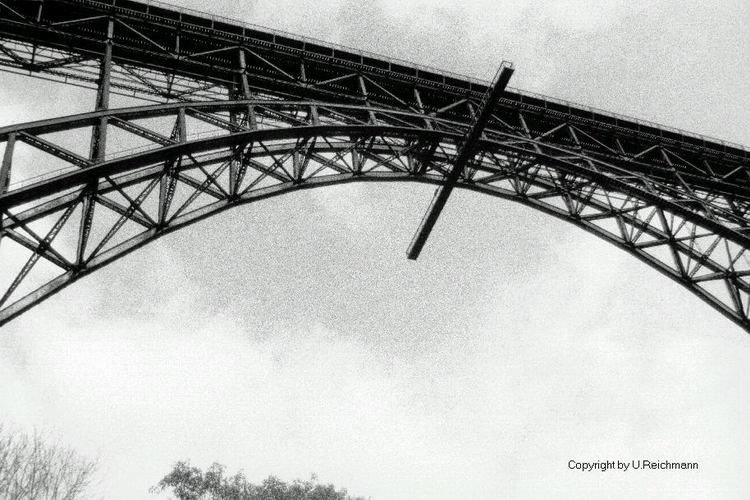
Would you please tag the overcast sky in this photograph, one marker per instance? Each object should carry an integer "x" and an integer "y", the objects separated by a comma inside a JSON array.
[{"x": 292, "y": 336}]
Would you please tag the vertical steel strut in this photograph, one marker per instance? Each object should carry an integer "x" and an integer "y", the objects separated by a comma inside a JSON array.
[
  {"x": 465, "y": 150},
  {"x": 98, "y": 143},
  {"x": 7, "y": 161}
]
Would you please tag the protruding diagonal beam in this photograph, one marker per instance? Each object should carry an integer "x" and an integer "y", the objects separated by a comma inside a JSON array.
[{"x": 464, "y": 152}]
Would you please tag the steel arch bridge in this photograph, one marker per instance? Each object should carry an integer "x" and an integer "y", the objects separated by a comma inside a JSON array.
[{"x": 232, "y": 113}]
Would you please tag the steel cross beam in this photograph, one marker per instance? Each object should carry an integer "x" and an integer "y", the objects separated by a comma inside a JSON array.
[{"x": 464, "y": 153}]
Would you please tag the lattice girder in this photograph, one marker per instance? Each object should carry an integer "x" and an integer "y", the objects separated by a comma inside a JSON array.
[
  {"x": 252, "y": 114},
  {"x": 195, "y": 159}
]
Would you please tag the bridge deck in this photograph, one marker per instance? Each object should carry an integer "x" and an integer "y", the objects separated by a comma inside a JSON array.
[{"x": 183, "y": 43}]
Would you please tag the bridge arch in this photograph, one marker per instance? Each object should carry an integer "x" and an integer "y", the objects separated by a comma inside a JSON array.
[{"x": 246, "y": 150}]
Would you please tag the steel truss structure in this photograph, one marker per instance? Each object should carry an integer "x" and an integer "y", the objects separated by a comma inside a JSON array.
[{"x": 233, "y": 113}]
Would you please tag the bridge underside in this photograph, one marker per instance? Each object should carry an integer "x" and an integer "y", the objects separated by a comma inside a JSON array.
[
  {"x": 245, "y": 117},
  {"x": 184, "y": 162}
]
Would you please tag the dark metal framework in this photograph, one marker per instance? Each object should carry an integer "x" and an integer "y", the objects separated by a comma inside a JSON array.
[{"x": 238, "y": 114}]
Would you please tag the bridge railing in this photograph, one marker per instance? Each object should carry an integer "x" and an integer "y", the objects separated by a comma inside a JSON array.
[
  {"x": 577, "y": 107},
  {"x": 218, "y": 20},
  {"x": 629, "y": 120}
]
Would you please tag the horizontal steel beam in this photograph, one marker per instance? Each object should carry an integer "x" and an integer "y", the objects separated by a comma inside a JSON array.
[{"x": 606, "y": 174}]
